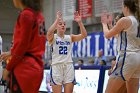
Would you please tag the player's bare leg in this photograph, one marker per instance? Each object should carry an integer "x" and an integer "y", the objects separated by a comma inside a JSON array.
[
  {"x": 114, "y": 85},
  {"x": 68, "y": 88},
  {"x": 57, "y": 88},
  {"x": 132, "y": 85}
]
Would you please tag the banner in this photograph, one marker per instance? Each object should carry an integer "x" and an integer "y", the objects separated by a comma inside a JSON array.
[
  {"x": 111, "y": 6},
  {"x": 90, "y": 46},
  {"x": 85, "y": 8},
  {"x": 68, "y": 8}
]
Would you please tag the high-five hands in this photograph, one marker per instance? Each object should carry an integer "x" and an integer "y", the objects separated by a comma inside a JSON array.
[
  {"x": 77, "y": 17},
  {"x": 59, "y": 16},
  {"x": 104, "y": 18}
]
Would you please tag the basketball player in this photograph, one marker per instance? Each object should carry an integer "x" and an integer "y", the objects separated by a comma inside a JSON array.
[
  {"x": 123, "y": 88},
  {"x": 62, "y": 69},
  {"x": 26, "y": 66},
  {"x": 127, "y": 68}
]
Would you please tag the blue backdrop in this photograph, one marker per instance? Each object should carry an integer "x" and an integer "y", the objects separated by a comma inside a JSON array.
[{"x": 90, "y": 46}]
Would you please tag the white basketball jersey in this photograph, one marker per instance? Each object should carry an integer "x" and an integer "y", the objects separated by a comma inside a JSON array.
[
  {"x": 129, "y": 40},
  {"x": 61, "y": 49}
]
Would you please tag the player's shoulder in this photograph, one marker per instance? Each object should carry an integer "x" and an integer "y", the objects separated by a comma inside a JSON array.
[
  {"x": 27, "y": 12},
  {"x": 68, "y": 36},
  {"x": 124, "y": 22},
  {"x": 124, "y": 19}
]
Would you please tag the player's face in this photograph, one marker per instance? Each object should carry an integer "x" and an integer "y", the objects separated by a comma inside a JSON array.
[
  {"x": 17, "y": 3},
  {"x": 61, "y": 27}
]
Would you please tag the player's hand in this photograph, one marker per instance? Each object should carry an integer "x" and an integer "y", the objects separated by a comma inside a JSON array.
[
  {"x": 59, "y": 16},
  {"x": 104, "y": 18},
  {"x": 110, "y": 20},
  {"x": 5, "y": 74},
  {"x": 77, "y": 17},
  {"x": 4, "y": 56}
]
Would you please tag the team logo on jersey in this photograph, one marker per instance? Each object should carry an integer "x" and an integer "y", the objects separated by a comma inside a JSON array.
[{"x": 62, "y": 42}]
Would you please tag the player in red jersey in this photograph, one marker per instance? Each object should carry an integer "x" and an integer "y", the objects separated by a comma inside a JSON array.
[{"x": 26, "y": 65}]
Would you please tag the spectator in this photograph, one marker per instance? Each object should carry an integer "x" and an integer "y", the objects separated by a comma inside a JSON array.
[
  {"x": 102, "y": 63},
  {"x": 80, "y": 63},
  {"x": 48, "y": 64},
  {"x": 100, "y": 57},
  {"x": 113, "y": 62},
  {"x": 91, "y": 62}
]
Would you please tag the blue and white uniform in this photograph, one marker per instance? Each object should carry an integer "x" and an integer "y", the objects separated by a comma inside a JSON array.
[
  {"x": 62, "y": 69},
  {"x": 128, "y": 58}
]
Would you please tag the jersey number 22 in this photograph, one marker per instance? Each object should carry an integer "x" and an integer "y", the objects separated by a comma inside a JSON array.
[{"x": 63, "y": 50}]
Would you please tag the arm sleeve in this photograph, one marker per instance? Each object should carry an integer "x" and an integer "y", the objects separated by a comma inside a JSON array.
[{"x": 26, "y": 22}]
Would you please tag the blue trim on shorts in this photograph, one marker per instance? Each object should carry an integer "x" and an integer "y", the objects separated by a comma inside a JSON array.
[
  {"x": 121, "y": 41},
  {"x": 122, "y": 67},
  {"x": 119, "y": 56},
  {"x": 52, "y": 77},
  {"x": 74, "y": 80},
  {"x": 124, "y": 57},
  {"x": 116, "y": 65}
]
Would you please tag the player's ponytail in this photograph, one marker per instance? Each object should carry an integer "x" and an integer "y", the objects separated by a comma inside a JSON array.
[
  {"x": 134, "y": 8},
  {"x": 33, "y": 4},
  {"x": 138, "y": 9},
  {"x": 138, "y": 14},
  {"x": 131, "y": 4}
]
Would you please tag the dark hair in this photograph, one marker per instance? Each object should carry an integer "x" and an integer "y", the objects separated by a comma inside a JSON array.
[
  {"x": 121, "y": 15},
  {"x": 133, "y": 5},
  {"x": 114, "y": 58},
  {"x": 104, "y": 62},
  {"x": 81, "y": 61},
  {"x": 138, "y": 11},
  {"x": 138, "y": 16},
  {"x": 33, "y": 4}
]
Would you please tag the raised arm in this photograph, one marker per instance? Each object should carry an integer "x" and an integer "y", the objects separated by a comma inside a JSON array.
[
  {"x": 83, "y": 31},
  {"x": 121, "y": 25},
  {"x": 51, "y": 30},
  {"x": 109, "y": 22}
]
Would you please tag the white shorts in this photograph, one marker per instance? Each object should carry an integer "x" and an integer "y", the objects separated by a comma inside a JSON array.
[
  {"x": 62, "y": 73},
  {"x": 127, "y": 66}
]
